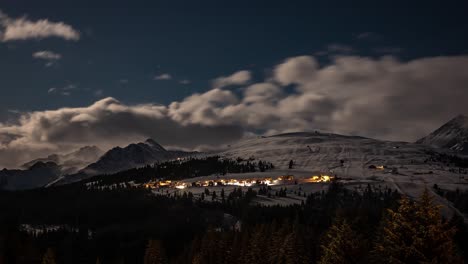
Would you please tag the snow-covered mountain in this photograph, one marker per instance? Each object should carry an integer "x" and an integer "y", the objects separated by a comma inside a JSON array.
[
  {"x": 325, "y": 151},
  {"x": 453, "y": 135},
  {"x": 37, "y": 175},
  {"x": 71, "y": 162},
  {"x": 131, "y": 156}
]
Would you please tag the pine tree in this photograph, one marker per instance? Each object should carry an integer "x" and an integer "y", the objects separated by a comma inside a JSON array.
[
  {"x": 257, "y": 246},
  {"x": 341, "y": 244},
  {"x": 415, "y": 233},
  {"x": 49, "y": 257},
  {"x": 154, "y": 253}
]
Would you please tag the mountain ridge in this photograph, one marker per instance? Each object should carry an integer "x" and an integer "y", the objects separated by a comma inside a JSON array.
[
  {"x": 131, "y": 156},
  {"x": 452, "y": 135}
]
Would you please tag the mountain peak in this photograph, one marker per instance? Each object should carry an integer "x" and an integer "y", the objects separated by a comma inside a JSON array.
[
  {"x": 461, "y": 120},
  {"x": 452, "y": 135},
  {"x": 43, "y": 165},
  {"x": 154, "y": 144}
]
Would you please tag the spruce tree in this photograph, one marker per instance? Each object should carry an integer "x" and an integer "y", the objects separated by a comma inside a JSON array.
[
  {"x": 257, "y": 246},
  {"x": 49, "y": 257},
  {"x": 415, "y": 233},
  {"x": 154, "y": 253},
  {"x": 341, "y": 244}
]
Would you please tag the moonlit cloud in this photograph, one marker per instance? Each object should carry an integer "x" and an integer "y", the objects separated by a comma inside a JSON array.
[
  {"x": 22, "y": 28},
  {"x": 46, "y": 55},
  {"x": 376, "y": 97},
  {"x": 106, "y": 123},
  {"x": 162, "y": 77},
  {"x": 237, "y": 78}
]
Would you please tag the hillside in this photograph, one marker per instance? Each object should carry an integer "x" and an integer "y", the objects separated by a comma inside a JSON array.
[{"x": 452, "y": 135}]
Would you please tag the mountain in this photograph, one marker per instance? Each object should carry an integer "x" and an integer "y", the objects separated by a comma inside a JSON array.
[
  {"x": 71, "y": 162},
  {"x": 453, "y": 135},
  {"x": 316, "y": 151},
  {"x": 39, "y": 174},
  {"x": 131, "y": 156}
]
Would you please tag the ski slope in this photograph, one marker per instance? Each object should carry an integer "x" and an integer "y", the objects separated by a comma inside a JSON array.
[{"x": 406, "y": 165}]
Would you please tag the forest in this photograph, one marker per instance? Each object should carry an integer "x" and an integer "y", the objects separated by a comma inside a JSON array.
[
  {"x": 183, "y": 169},
  {"x": 130, "y": 225}
]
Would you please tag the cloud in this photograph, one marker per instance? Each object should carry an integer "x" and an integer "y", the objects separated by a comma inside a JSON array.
[
  {"x": 22, "y": 29},
  {"x": 376, "y": 97},
  {"x": 65, "y": 91},
  {"x": 296, "y": 70},
  {"x": 164, "y": 76},
  {"x": 46, "y": 55},
  {"x": 237, "y": 78},
  {"x": 106, "y": 123}
]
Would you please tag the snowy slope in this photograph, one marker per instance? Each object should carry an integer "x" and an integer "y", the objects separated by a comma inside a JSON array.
[
  {"x": 326, "y": 151},
  {"x": 71, "y": 162},
  {"x": 408, "y": 167},
  {"x": 452, "y": 135}
]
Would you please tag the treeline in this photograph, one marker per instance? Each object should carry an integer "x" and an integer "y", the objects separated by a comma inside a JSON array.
[
  {"x": 448, "y": 159},
  {"x": 459, "y": 198},
  {"x": 185, "y": 168},
  {"x": 359, "y": 230},
  {"x": 131, "y": 226}
]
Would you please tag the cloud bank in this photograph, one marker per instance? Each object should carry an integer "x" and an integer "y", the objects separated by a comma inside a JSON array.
[
  {"x": 105, "y": 123},
  {"x": 12, "y": 29},
  {"x": 376, "y": 97}
]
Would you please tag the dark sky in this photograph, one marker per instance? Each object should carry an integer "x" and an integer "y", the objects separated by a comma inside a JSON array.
[
  {"x": 199, "y": 74},
  {"x": 200, "y": 40}
]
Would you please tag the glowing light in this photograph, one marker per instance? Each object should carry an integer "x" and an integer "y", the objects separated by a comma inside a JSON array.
[
  {"x": 286, "y": 178},
  {"x": 164, "y": 183},
  {"x": 381, "y": 167},
  {"x": 321, "y": 178}
]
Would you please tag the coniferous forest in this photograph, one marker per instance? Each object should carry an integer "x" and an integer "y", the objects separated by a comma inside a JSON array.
[{"x": 130, "y": 225}]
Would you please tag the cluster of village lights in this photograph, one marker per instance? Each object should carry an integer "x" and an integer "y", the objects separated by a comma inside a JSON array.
[{"x": 237, "y": 182}]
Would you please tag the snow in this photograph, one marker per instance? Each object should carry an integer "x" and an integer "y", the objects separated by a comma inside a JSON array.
[
  {"x": 349, "y": 158},
  {"x": 452, "y": 135}
]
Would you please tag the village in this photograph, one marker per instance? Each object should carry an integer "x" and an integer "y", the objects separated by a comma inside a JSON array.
[{"x": 248, "y": 182}]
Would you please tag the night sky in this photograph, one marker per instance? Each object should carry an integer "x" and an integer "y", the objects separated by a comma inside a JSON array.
[{"x": 393, "y": 70}]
